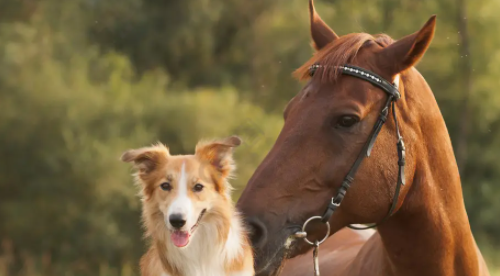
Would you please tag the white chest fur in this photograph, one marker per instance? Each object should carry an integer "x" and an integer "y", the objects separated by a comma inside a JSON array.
[{"x": 206, "y": 255}]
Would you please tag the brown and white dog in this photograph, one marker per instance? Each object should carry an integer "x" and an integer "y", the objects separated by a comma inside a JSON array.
[{"x": 188, "y": 212}]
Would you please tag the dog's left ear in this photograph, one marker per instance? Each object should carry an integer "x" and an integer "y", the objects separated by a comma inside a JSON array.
[{"x": 219, "y": 154}]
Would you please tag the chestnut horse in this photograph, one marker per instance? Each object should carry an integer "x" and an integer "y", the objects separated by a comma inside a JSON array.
[{"x": 424, "y": 229}]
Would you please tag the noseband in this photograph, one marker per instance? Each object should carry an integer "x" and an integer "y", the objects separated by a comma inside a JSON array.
[{"x": 393, "y": 95}]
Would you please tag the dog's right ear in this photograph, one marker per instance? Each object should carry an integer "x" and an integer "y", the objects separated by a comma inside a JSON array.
[
  {"x": 219, "y": 153},
  {"x": 146, "y": 159}
]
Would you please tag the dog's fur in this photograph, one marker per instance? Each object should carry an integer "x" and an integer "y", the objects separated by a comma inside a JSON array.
[{"x": 218, "y": 244}]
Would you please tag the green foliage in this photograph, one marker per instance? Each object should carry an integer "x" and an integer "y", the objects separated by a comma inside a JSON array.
[
  {"x": 68, "y": 113},
  {"x": 81, "y": 81}
]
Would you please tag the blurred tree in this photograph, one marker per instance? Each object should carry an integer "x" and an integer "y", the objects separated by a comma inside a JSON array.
[
  {"x": 69, "y": 112},
  {"x": 466, "y": 78}
]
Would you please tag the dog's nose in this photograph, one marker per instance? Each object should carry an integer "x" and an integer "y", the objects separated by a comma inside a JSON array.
[
  {"x": 258, "y": 232},
  {"x": 177, "y": 220}
]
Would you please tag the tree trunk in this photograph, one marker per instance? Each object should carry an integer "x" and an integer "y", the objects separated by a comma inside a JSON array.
[{"x": 465, "y": 71}]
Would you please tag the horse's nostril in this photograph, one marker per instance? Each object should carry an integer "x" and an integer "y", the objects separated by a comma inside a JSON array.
[{"x": 258, "y": 232}]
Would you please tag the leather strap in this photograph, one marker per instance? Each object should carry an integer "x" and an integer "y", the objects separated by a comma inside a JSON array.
[
  {"x": 393, "y": 96},
  {"x": 375, "y": 79}
]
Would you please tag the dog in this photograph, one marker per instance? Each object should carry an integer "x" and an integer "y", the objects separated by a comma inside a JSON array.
[{"x": 188, "y": 213}]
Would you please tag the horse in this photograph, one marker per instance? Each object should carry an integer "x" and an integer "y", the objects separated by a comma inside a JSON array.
[{"x": 412, "y": 190}]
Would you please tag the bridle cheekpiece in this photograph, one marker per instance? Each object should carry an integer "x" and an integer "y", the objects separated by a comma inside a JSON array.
[{"x": 392, "y": 90}]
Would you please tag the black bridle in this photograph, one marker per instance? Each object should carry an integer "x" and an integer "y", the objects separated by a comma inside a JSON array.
[{"x": 393, "y": 95}]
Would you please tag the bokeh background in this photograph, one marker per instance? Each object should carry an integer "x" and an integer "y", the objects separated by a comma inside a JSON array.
[{"x": 83, "y": 80}]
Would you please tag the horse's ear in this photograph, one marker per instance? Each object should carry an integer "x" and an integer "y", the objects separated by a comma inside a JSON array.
[
  {"x": 320, "y": 32},
  {"x": 407, "y": 51}
]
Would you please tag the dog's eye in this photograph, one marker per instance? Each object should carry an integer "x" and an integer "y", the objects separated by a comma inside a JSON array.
[
  {"x": 198, "y": 187},
  {"x": 166, "y": 186}
]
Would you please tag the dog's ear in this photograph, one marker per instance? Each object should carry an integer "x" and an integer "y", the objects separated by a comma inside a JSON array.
[
  {"x": 219, "y": 154},
  {"x": 146, "y": 159}
]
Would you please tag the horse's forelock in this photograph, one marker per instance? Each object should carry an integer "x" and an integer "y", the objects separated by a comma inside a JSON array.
[{"x": 341, "y": 51}]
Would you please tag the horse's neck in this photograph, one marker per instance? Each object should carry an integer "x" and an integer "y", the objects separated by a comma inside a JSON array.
[
  {"x": 430, "y": 234},
  {"x": 430, "y": 237}
]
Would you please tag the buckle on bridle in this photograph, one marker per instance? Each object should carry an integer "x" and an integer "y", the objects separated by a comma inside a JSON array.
[
  {"x": 401, "y": 144},
  {"x": 336, "y": 204}
]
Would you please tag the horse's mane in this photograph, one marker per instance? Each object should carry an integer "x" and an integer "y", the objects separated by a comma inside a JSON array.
[{"x": 341, "y": 51}]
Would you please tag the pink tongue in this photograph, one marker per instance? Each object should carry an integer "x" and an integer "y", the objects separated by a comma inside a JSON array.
[{"x": 180, "y": 238}]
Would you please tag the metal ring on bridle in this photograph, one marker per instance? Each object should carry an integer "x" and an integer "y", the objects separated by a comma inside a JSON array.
[{"x": 327, "y": 230}]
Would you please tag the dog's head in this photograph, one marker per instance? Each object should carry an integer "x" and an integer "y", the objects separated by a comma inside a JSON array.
[{"x": 180, "y": 191}]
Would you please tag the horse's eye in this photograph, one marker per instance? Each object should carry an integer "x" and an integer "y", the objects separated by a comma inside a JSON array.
[
  {"x": 166, "y": 186},
  {"x": 347, "y": 121},
  {"x": 198, "y": 187}
]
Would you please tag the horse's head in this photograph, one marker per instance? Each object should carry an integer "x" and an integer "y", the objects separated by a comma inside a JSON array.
[{"x": 327, "y": 124}]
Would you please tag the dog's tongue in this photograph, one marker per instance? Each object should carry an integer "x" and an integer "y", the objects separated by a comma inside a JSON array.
[{"x": 180, "y": 238}]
